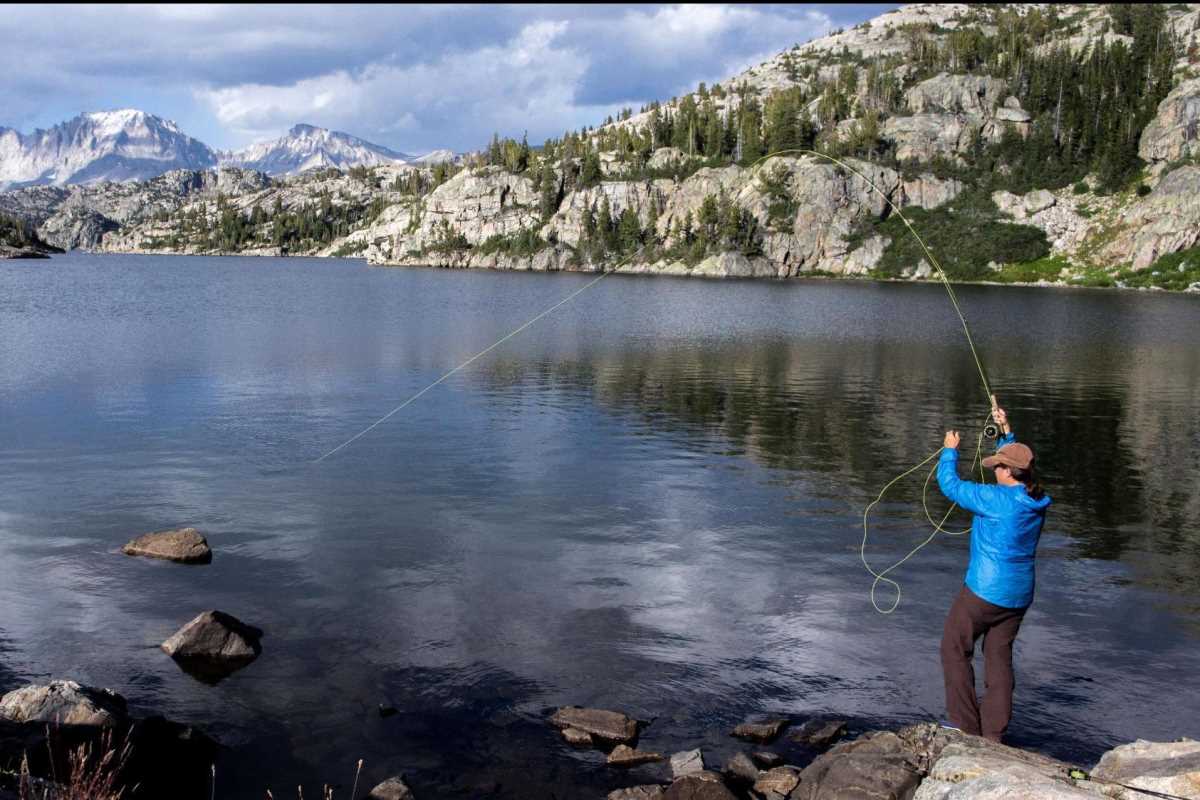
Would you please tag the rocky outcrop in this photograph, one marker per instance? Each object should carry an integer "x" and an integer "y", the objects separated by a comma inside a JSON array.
[
  {"x": 696, "y": 787},
  {"x": 184, "y": 545},
  {"x": 637, "y": 793},
  {"x": 956, "y": 94},
  {"x": 1174, "y": 133},
  {"x": 1165, "y": 221},
  {"x": 819, "y": 733},
  {"x": 64, "y": 703},
  {"x": 214, "y": 645}
]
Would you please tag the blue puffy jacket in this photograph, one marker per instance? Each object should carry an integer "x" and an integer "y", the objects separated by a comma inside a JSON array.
[{"x": 1004, "y": 533}]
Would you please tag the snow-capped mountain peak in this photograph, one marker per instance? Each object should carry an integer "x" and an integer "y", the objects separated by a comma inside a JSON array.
[
  {"x": 125, "y": 144},
  {"x": 307, "y": 147}
]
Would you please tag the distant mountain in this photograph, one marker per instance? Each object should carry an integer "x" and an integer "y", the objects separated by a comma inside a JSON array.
[
  {"x": 97, "y": 146},
  {"x": 307, "y": 147},
  {"x": 131, "y": 145}
]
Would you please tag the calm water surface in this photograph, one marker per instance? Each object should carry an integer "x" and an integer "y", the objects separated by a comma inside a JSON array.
[{"x": 650, "y": 501}]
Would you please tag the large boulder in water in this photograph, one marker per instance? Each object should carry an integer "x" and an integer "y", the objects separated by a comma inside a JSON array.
[
  {"x": 184, "y": 545},
  {"x": 214, "y": 645},
  {"x": 64, "y": 703}
]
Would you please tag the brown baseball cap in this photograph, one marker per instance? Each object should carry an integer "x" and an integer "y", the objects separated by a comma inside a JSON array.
[{"x": 1011, "y": 455}]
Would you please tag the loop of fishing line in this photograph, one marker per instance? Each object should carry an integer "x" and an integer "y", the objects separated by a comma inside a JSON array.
[{"x": 937, "y": 527}]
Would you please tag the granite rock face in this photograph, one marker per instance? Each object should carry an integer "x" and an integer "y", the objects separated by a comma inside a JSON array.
[{"x": 1174, "y": 133}]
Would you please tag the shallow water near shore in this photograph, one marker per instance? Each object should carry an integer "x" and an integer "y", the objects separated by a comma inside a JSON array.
[{"x": 651, "y": 501}]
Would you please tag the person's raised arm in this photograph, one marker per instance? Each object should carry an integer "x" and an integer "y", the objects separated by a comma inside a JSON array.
[{"x": 971, "y": 496}]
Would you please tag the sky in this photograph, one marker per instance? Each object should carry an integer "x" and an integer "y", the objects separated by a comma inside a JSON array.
[{"x": 411, "y": 77}]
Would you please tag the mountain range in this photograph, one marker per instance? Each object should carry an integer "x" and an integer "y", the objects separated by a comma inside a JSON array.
[{"x": 132, "y": 145}]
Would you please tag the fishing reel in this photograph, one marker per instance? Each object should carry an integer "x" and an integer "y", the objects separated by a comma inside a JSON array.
[{"x": 991, "y": 430}]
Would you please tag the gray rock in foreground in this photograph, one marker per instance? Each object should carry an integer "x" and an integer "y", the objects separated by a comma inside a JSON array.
[
  {"x": 611, "y": 726},
  {"x": 687, "y": 762},
  {"x": 1167, "y": 767},
  {"x": 393, "y": 788},
  {"x": 741, "y": 769},
  {"x": 184, "y": 545},
  {"x": 695, "y": 787},
  {"x": 64, "y": 703},
  {"x": 637, "y": 793},
  {"x": 213, "y": 645}
]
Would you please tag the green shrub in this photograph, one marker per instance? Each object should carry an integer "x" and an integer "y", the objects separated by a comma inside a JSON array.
[
  {"x": 1175, "y": 271},
  {"x": 1142, "y": 190},
  {"x": 1081, "y": 188},
  {"x": 963, "y": 235}
]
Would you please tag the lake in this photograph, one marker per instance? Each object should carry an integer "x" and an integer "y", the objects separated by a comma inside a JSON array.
[{"x": 651, "y": 500}]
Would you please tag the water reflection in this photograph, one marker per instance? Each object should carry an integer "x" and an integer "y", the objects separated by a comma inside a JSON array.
[{"x": 651, "y": 502}]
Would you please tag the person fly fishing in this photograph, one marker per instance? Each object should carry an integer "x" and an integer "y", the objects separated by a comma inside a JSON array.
[{"x": 998, "y": 589}]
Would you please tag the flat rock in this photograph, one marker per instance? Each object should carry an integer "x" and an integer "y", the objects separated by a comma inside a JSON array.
[
  {"x": 687, "y": 762},
  {"x": 64, "y": 703},
  {"x": 765, "y": 731},
  {"x": 393, "y": 788},
  {"x": 213, "y": 645},
  {"x": 577, "y": 737},
  {"x": 820, "y": 733},
  {"x": 1167, "y": 767},
  {"x": 777, "y": 783},
  {"x": 184, "y": 545},
  {"x": 740, "y": 769},
  {"x": 637, "y": 793},
  {"x": 695, "y": 787},
  {"x": 625, "y": 756},
  {"x": 610, "y": 726},
  {"x": 767, "y": 759}
]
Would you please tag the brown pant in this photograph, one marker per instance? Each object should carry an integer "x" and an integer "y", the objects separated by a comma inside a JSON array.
[{"x": 971, "y": 617}]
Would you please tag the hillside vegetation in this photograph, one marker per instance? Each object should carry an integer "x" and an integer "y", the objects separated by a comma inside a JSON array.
[{"x": 1053, "y": 143}]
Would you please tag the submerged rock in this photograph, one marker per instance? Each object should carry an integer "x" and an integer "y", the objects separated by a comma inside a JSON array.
[
  {"x": 184, "y": 545},
  {"x": 820, "y": 733},
  {"x": 214, "y": 645},
  {"x": 64, "y": 703},
  {"x": 760, "y": 731},
  {"x": 610, "y": 726},
  {"x": 393, "y": 788},
  {"x": 625, "y": 756}
]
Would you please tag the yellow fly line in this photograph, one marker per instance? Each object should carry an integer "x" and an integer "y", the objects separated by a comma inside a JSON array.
[{"x": 937, "y": 526}]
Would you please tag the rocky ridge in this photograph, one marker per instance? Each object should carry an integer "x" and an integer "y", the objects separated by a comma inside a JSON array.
[{"x": 794, "y": 215}]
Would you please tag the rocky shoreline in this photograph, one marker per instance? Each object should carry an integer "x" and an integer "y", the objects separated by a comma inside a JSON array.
[{"x": 42, "y": 726}]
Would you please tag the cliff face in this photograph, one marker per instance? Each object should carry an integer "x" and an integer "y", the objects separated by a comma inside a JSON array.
[{"x": 923, "y": 134}]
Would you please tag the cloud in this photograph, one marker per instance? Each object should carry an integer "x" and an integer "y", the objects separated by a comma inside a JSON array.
[{"x": 416, "y": 77}]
